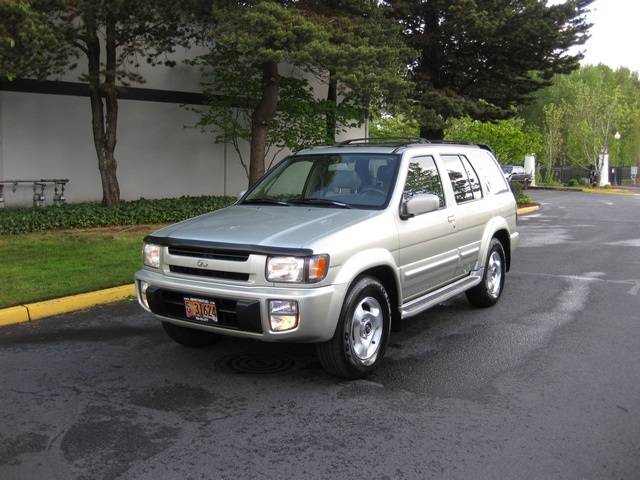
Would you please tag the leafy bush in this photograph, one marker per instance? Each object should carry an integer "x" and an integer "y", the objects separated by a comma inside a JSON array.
[
  {"x": 524, "y": 200},
  {"x": 87, "y": 215},
  {"x": 573, "y": 183},
  {"x": 608, "y": 186},
  {"x": 517, "y": 188}
]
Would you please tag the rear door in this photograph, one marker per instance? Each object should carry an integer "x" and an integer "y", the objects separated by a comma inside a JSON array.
[{"x": 470, "y": 212}]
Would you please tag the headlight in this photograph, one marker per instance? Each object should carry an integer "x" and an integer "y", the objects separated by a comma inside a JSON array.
[
  {"x": 297, "y": 269},
  {"x": 151, "y": 255}
]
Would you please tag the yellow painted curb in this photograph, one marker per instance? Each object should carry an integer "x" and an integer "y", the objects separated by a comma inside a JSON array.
[
  {"x": 13, "y": 315},
  {"x": 35, "y": 311},
  {"x": 525, "y": 210},
  {"x": 612, "y": 191}
]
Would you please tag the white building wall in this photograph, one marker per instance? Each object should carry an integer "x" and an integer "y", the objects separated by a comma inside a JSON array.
[
  {"x": 49, "y": 136},
  {"x": 46, "y": 136}
]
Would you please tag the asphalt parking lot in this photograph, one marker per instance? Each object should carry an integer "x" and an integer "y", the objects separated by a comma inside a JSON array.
[{"x": 543, "y": 385}]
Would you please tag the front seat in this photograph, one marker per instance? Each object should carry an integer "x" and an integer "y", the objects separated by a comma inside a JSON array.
[{"x": 345, "y": 181}]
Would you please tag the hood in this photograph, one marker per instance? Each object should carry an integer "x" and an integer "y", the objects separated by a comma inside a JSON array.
[{"x": 269, "y": 226}]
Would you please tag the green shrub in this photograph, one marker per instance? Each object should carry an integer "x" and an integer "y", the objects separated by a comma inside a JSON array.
[
  {"x": 517, "y": 188},
  {"x": 524, "y": 200},
  {"x": 608, "y": 186},
  {"x": 573, "y": 183},
  {"x": 88, "y": 215}
]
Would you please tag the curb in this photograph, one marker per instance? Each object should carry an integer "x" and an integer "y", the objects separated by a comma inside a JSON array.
[
  {"x": 525, "y": 210},
  {"x": 38, "y": 310}
]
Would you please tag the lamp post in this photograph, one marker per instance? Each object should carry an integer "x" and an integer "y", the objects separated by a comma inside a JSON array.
[{"x": 616, "y": 180}]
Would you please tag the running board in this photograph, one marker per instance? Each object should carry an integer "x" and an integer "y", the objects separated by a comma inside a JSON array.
[{"x": 421, "y": 304}]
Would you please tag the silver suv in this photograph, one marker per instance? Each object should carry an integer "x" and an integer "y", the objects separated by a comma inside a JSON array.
[{"x": 335, "y": 246}]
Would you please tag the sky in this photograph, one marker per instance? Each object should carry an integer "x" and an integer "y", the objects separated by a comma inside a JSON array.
[{"x": 614, "y": 35}]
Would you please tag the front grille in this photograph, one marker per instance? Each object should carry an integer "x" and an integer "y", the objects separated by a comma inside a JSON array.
[
  {"x": 201, "y": 272},
  {"x": 209, "y": 253}
]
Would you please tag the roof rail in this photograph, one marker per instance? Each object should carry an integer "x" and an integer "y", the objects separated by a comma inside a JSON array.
[
  {"x": 403, "y": 141},
  {"x": 486, "y": 147},
  {"x": 384, "y": 141}
]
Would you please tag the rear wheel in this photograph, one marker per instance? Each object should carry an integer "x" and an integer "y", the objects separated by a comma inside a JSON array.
[
  {"x": 488, "y": 292},
  {"x": 361, "y": 335},
  {"x": 190, "y": 337}
]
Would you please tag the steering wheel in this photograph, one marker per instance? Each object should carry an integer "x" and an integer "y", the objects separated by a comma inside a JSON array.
[{"x": 373, "y": 190}]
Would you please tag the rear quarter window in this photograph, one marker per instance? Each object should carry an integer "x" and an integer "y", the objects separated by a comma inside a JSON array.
[{"x": 491, "y": 177}]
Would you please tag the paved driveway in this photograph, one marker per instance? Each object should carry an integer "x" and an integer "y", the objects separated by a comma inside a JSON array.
[{"x": 544, "y": 385}]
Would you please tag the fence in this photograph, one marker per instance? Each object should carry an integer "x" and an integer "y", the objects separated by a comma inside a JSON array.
[{"x": 577, "y": 172}]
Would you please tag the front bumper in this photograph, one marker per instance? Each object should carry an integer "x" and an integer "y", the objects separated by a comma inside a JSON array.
[{"x": 243, "y": 310}]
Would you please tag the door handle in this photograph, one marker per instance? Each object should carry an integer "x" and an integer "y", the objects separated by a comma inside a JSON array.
[{"x": 451, "y": 219}]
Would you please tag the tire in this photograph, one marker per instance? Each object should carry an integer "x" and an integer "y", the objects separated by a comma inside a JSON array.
[
  {"x": 190, "y": 337},
  {"x": 526, "y": 184},
  {"x": 362, "y": 332},
  {"x": 488, "y": 292}
]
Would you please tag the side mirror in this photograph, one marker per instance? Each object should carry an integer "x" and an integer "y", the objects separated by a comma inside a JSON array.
[{"x": 419, "y": 204}]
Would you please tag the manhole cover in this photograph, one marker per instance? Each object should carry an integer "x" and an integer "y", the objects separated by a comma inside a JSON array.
[{"x": 262, "y": 363}]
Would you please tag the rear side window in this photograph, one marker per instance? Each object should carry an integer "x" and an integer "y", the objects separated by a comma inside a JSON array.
[
  {"x": 423, "y": 177},
  {"x": 490, "y": 172},
  {"x": 464, "y": 179}
]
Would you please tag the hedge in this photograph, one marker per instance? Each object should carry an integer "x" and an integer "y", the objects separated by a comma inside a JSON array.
[{"x": 88, "y": 215}]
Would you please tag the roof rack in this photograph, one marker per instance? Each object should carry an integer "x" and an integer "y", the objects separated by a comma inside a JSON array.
[
  {"x": 384, "y": 141},
  {"x": 403, "y": 141}
]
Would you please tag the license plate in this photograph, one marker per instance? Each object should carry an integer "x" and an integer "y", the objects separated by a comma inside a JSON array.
[{"x": 201, "y": 310}]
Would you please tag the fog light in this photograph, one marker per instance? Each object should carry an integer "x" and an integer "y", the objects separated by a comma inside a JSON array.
[
  {"x": 143, "y": 293},
  {"x": 283, "y": 315}
]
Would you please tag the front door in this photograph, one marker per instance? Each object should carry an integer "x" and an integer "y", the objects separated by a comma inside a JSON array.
[{"x": 429, "y": 254}]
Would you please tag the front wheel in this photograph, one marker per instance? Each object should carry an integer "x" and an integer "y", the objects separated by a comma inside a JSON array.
[
  {"x": 190, "y": 337},
  {"x": 488, "y": 292},
  {"x": 362, "y": 332}
]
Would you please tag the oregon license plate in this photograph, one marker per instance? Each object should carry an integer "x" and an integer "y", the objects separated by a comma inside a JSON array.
[{"x": 201, "y": 310}]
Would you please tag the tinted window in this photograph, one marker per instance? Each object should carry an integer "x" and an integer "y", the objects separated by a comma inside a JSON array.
[
  {"x": 423, "y": 177},
  {"x": 490, "y": 174},
  {"x": 464, "y": 180}
]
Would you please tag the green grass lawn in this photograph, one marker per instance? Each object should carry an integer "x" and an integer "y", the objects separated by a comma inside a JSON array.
[{"x": 53, "y": 264}]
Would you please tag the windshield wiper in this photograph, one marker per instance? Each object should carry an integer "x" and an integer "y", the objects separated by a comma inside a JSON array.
[
  {"x": 267, "y": 201},
  {"x": 321, "y": 202}
]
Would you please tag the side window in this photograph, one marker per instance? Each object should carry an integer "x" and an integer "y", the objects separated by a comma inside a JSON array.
[
  {"x": 491, "y": 175},
  {"x": 464, "y": 180},
  {"x": 423, "y": 177},
  {"x": 474, "y": 181}
]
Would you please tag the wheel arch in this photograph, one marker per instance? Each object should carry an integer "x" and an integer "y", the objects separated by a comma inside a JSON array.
[
  {"x": 380, "y": 264},
  {"x": 498, "y": 228},
  {"x": 505, "y": 239},
  {"x": 386, "y": 276}
]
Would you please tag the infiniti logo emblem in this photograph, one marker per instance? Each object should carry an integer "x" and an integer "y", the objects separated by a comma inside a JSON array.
[{"x": 202, "y": 263}]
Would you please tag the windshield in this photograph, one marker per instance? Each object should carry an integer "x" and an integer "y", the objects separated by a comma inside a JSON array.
[
  {"x": 506, "y": 168},
  {"x": 338, "y": 180}
]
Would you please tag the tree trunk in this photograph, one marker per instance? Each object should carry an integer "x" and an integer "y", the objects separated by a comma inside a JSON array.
[
  {"x": 332, "y": 109},
  {"x": 104, "y": 115},
  {"x": 261, "y": 118}
]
